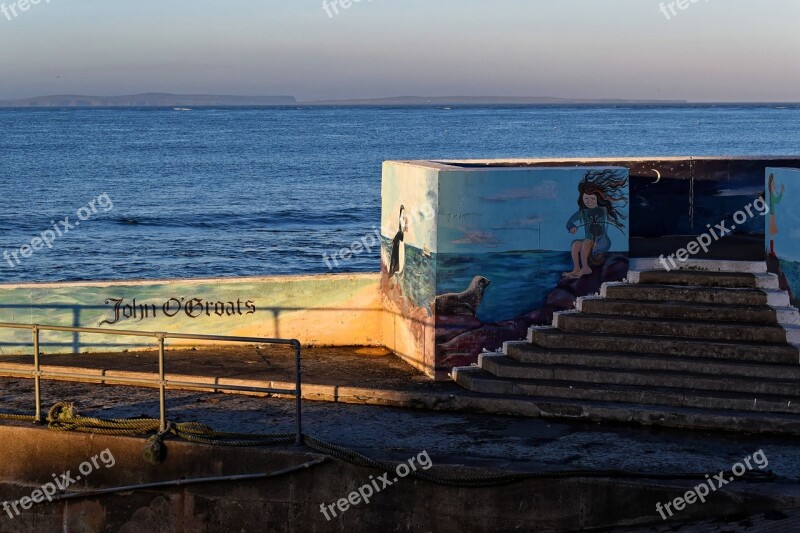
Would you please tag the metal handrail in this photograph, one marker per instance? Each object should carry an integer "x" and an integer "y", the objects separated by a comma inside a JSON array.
[{"x": 161, "y": 382}]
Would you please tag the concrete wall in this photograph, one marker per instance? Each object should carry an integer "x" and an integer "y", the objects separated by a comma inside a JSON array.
[
  {"x": 336, "y": 310},
  {"x": 291, "y": 503}
]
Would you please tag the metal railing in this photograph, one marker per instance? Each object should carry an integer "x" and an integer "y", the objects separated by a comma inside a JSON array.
[{"x": 162, "y": 383}]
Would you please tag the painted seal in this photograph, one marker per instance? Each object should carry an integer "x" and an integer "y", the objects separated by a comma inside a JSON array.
[{"x": 462, "y": 303}]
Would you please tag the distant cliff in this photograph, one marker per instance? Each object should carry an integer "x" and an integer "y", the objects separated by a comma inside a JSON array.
[
  {"x": 486, "y": 100},
  {"x": 210, "y": 100},
  {"x": 148, "y": 100}
]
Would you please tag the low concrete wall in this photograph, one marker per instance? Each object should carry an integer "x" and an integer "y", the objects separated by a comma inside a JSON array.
[
  {"x": 31, "y": 456},
  {"x": 323, "y": 310}
]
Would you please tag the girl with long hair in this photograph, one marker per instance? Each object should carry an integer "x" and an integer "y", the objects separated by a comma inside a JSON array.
[{"x": 601, "y": 196}]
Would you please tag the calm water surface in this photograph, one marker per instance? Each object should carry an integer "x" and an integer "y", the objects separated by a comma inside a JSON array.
[{"x": 242, "y": 192}]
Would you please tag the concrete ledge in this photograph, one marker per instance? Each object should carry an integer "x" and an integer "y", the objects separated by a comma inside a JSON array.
[
  {"x": 792, "y": 333},
  {"x": 579, "y": 301},
  {"x": 484, "y": 355},
  {"x": 787, "y": 315},
  {"x": 777, "y": 297},
  {"x": 654, "y": 263},
  {"x": 512, "y": 343},
  {"x": 557, "y": 314},
  {"x": 537, "y": 328},
  {"x": 604, "y": 287},
  {"x": 767, "y": 281}
]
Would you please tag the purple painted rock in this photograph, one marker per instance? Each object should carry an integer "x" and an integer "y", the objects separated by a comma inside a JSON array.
[
  {"x": 589, "y": 284},
  {"x": 450, "y": 327},
  {"x": 538, "y": 317},
  {"x": 490, "y": 337},
  {"x": 511, "y": 326},
  {"x": 458, "y": 359},
  {"x": 561, "y": 299},
  {"x": 523, "y": 323},
  {"x": 615, "y": 269}
]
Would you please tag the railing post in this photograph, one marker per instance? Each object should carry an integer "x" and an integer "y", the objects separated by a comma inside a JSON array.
[
  {"x": 162, "y": 387},
  {"x": 299, "y": 394},
  {"x": 37, "y": 375}
]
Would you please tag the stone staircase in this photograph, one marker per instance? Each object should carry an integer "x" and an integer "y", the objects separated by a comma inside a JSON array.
[{"x": 692, "y": 349}]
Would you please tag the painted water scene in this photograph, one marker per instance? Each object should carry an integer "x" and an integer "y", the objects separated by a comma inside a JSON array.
[
  {"x": 441, "y": 267},
  {"x": 546, "y": 236}
]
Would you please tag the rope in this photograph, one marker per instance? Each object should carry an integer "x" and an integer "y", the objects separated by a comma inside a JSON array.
[
  {"x": 19, "y": 418},
  {"x": 64, "y": 417}
]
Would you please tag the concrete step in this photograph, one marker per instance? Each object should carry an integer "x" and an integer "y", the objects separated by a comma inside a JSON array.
[
  {"x": 695, "y": 294},
  {"x": 481, "y": 381},
  {"x": 526, "y": 352},
  {"x": 643, "y": 264},
  {"x": 701, "y": 278},
  {"x": 552, "y": 338},
  {"x": 645, "y": 415},
  {"x": 504, "y": 367},
  {"x": 755, "y": 314},
  {"x": 591, "y": 323}
]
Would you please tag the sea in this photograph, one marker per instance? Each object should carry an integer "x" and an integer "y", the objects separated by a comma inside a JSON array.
[{"x": 220, "y": 192}]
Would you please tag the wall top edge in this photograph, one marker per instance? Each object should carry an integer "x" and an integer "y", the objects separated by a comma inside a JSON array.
[
  {"x": 352, "y": 276},
  {"x": 456, "y": 164}
]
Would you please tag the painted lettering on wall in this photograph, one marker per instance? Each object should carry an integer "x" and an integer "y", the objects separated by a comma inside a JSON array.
[{"x": 177, "y": 307}]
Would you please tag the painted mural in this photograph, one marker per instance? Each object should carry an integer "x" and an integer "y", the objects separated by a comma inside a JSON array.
[
  {"x": 782, "y": 231},
  {"x": 501, "y": 250},
  {"x": 408, "y": 276},
  {"x": 673, "y": 199},
  {"x": 516, "y": 245}
]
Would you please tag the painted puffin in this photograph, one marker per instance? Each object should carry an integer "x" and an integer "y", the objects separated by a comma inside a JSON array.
[{"x": 397, "y": 261}]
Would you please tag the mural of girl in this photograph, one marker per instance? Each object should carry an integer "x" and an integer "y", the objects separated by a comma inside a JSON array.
[
  {"x": 774, "y": 200},
  {"x": 601, "y": 195}
]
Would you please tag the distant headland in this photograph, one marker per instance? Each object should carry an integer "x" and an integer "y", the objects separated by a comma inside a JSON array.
[
  {"x": 483, "y": 100},
  {"x": 210, "y": 100},
  {"x": 148, "y": 100}
]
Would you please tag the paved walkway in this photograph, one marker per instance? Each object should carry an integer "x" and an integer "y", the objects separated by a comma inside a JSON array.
[
  {"x": 474, "y": 439},
  {"x": 346, "y": 367},
  {"x": 456, "y": 437}
]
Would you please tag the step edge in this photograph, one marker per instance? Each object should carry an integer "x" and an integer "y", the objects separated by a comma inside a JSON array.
[
  {"x": 744, "y": 364},
  {"x": 724, "y": 324},
  {"x": 656, "y": 338},
  {"x": 713, "y": 265},
  {"x": 610, "y": 387},
  {"x": 655, "y": 372}
]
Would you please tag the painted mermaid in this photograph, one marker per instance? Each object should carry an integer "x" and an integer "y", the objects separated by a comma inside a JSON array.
[
  {"x": 774, "y": 199},
  {"x": 601, "y": 195}
]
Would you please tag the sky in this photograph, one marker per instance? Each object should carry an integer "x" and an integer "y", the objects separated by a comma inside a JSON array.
[{"x": 714, "y": 50}]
